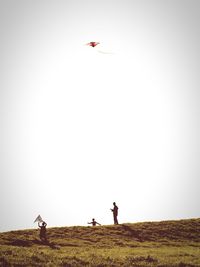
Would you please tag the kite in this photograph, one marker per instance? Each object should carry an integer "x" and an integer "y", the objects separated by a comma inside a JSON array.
[
  {"x": 93, "y": 44},
  {"x": 38, "y": 219}
]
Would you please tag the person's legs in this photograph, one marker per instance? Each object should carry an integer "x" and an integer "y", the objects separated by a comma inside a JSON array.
[
  {"x": 43, "y": 237},
  {"x": 115, "y": 219}
]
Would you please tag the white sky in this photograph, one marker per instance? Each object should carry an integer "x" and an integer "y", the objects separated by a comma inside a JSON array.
[{"x": 81, "y": 129}]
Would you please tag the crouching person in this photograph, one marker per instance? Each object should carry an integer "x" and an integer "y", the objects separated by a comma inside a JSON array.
[{"x": 94, "y": 223}]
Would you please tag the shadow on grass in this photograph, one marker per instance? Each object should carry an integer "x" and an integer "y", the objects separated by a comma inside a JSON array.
[
  {"x": 45, "y": 243},
  {"x": 20, "y": 243},
  {"x": 133, "y": 233},
  {"x": 29, "y": 243}
]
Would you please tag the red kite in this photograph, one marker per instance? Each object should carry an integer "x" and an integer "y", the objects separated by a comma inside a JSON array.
[{"x": 93, "y": 44}]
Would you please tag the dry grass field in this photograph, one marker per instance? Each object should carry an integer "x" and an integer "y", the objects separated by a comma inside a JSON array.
[{"x": 152, "y": 244}]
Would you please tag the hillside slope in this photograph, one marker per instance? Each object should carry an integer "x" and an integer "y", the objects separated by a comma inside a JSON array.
[{"x": 166, "y": 243}]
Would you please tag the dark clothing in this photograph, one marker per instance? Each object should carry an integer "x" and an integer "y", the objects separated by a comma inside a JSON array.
[
  {"x": 94, "y": 223},
  {"x": 115, "y": 214},
  {"x": 115, "y": 219},
  {"x": 115, "y": 210},
  {"x": 43, "y": 231}
]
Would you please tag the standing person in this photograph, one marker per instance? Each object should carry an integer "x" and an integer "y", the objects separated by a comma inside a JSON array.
[
  {"x": 115, "y": 213},
  {"x": 43, "y": 231},
  {"x": 94, "y": 223}
]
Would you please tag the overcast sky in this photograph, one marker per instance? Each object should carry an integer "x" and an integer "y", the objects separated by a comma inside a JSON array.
[{"x": 81, "y": 128}]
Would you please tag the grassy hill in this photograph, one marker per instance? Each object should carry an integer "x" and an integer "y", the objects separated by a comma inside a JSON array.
[{"x": 163, "y": 244}]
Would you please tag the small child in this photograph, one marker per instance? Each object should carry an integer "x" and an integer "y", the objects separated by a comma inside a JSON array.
[{"x": 94, "y": 223}]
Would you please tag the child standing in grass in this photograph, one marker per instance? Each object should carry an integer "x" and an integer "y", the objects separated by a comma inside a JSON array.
[
  {"x": 94, "y": 223},
  {"x": 43, "y": 231}
]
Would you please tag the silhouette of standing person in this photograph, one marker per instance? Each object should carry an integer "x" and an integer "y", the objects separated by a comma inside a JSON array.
[
  {"x": 43, "y": 231},
  {"x": 115, "y": 213},
  {"x": 94, "y": 223}
]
